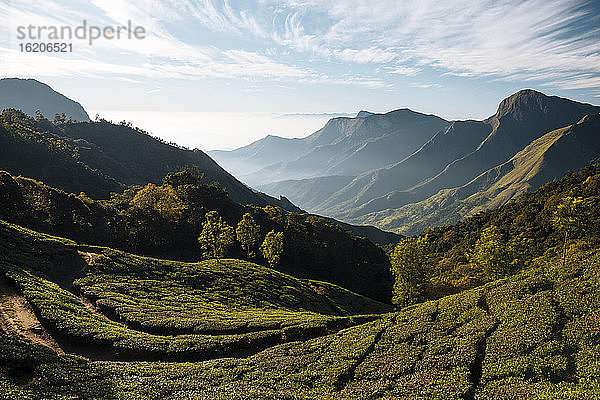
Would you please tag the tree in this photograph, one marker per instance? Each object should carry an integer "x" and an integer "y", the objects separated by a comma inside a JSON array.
[
  {"x": 272, "y": 248},
  {"x": 162, "y": 200},
  {"x": 407, "y": 262},
  {"x": 60, "y": 118},
  {"x": 39, "y": 116},
  {"x": 568, "y": 217},
  {"x": 248, "y": 233},
  {"x": 216, "y": 235},
  {"x": 154, "y": 214},
  {"x": 491, "y": 253}
]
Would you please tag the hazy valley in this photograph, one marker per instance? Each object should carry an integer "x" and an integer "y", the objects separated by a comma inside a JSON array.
[{"x": 134, "y": 268}]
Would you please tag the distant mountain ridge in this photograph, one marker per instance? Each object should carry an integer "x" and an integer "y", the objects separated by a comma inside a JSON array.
[
  {"x": 364, "y": 114},
  {"x": 543, "y": 160},
  {"x": 450, "y": 158},
  {"x": 520, "y": 119},
  {"x": 344, "y": 146},
  {"x": 30, "y": 95},
  {"x": 255, "y": 156},
  {"x": 100, "y": 157}
]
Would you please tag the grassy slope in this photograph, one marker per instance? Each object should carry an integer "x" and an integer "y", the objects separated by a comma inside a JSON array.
[
  {"x": 535, "y": 335},
  {"x": 101, "y": 157},
  {"x": 165, "y": 309},
  {"x": 314, "y": 247}
]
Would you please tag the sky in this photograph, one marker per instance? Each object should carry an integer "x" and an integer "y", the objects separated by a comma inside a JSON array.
[{"x": 217, "y": 74}]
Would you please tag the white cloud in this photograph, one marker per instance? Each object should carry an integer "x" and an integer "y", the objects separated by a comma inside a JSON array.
[
  {"x": 364, "y": 56},
  {"x": 425, "y": 85},
  {"x": 470, "y": 38},
  {"x": 507, "y": 39},
  {"x": 403, "y": 70}
]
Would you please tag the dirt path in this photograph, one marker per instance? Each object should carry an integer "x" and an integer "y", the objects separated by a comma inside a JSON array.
[
  {"x": 89, "y": 258},
  {"x": 95, "y": 310},
  {"x": 18, "y": 319}
]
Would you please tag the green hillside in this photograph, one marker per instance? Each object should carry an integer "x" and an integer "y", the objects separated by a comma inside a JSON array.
[
  {"x": 525, "y": 231},
  {"x": 165, "y": 222},
  {"x": 536, "y": 334},
  {"x": 147, "y": 308},
  {"x": 101, "y": 157}
]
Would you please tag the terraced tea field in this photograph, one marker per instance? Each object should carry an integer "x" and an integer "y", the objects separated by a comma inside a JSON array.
[
  {"x": 141, "y": 308},
  {"x": 240, "y": 331}
]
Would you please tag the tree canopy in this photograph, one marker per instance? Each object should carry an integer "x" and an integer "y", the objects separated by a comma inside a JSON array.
[
  {"x": 217, "y": 236},
  {"x": 407, "y": 261},
  {"x": 491, "y": 253},
  {"x": 272, "y": 248},
  {"x": 248, "y": 233}
]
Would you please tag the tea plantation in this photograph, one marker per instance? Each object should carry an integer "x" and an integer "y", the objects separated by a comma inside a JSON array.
[
  {"x": 241, "y": 331},
  {"x": 156, "y": 309}
]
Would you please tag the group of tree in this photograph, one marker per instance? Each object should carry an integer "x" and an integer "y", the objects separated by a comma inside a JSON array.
[
  {"x": 58, "y": 118},
  {"x": 541, "y": 226},
  {"x": 217, "y": 236}
]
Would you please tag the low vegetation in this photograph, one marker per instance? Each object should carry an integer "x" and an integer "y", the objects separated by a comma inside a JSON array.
[
  {"x": 536, "y": 334},
  {"x": 559, "y": 218},
  {"x": 156, "y": 309}
]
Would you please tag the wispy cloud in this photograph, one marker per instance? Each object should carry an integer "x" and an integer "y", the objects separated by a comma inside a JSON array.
[
  {"x": 425, "y": 85},
  {"x": 555, "y": 42},
  {"x": 404, "y": 70},
  {"x": 535, "y": 38}
]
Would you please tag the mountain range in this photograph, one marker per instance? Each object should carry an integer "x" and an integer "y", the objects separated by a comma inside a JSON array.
[
  {"x": 344, "y": 146},
  {"x": 104, "y": 292},
  {"x": 101, "y": 157},
  {"x": 395, "y": 170},
  {"x": 30, "y": 95}
]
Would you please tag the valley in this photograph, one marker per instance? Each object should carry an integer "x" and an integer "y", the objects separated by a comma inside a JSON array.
[
  {"x": 126, "y": 270},
  {"x": 422, "y": 160}
]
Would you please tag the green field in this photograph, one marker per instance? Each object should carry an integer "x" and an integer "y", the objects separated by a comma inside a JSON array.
[
  {"x": 263, "y": 334},
  {"x": 157, "y": 309}
]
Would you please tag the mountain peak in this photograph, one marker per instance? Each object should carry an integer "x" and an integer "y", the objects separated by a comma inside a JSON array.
[
  {"x": 533, "y": 106},
  {"x": 30, "y": 95},
  {"x": 522, "y": 102},
  {"x": 363, "y": 114}
]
